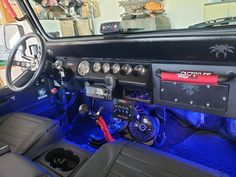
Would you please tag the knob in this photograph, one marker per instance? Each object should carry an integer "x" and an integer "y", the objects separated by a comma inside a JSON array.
[
  {"x": 58, "y": 64},
  {"x": 110, "y": 82},
  {"x": 127, "y": 69}
]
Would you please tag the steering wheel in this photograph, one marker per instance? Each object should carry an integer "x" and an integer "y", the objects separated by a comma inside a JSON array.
[{"x": 33, "y": 66}]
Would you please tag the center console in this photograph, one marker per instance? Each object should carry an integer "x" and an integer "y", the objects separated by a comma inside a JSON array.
[{"x": 64, "y": 158}]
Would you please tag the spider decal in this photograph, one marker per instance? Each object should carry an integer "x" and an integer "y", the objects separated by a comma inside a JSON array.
[
  {"x": 190, "y": 89},
  {"x": 222, "y": 49}
]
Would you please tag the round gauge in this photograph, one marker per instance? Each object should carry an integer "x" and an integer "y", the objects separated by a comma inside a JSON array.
[
  {"x": 106, "y": 67},
  {"x": 97, "y": 67},
  {"x": 83, "y": 68},
  {"x": 115, "y": 68},
  {"x": 140, "y": 70},
  {"x": 127, "y": 69}
]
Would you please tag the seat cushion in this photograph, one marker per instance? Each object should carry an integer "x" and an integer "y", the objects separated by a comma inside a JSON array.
[
  {"x": 18, "y": 166},
  {"x": 20, "y": 131},
  {"x": 125, "y": 159}
]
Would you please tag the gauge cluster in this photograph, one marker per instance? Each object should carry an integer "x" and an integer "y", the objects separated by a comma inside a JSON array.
[
  {"x": 127, "y": 72},
  {"x": 85, "y": 67}
]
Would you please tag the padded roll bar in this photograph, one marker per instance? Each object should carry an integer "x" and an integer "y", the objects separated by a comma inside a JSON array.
[{"x": 199, "y": 79}]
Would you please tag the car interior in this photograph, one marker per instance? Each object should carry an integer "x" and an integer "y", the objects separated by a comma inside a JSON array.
[{"x": 132, "y": 88}]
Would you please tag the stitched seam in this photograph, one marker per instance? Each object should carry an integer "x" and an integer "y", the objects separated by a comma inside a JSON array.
[
  {"x": 114, "y": 160},
  {"x": 189, "y": 168},
  {"x": 128, "y": 167}
]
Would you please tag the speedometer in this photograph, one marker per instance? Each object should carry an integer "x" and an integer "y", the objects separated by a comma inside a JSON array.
[
  {"x": 106, "y": 67},
  {"x": 83, "y": 68}
]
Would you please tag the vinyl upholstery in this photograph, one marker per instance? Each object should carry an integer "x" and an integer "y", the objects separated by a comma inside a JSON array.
[
  {"x": 21, "y": 131},
  {"x": 125, "y": 159},
  {"x": 14, "y": 165}
]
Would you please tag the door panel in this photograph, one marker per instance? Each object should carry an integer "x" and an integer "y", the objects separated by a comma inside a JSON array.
[{"x": 36, "y": 100}]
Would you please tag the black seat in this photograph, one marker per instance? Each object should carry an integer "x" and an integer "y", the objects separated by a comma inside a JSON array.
[
  {"x": 28, "y": 134},
  {"x": 125, "y": 159},
  {"x": 14, "y": 165}
]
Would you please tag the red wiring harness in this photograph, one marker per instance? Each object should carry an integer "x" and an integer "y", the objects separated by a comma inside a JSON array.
[{"x": 104, "y": 129}]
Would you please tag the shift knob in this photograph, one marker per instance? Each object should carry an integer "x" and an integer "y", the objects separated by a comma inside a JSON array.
[
  {"x": 110, "y": 82},
  {"x": 83, "y": 109}
]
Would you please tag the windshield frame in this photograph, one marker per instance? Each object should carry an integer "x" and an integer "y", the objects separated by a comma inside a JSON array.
[{"x": 173, "y": 33}]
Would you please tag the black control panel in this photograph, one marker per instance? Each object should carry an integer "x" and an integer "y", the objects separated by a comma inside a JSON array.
[
  {"x": 110, "y": 27},
  {"x": 123, "y": 109}
]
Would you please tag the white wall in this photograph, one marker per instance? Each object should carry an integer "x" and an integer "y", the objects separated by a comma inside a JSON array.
[
  {"x": 183, "y": 13},
  {"x": 1, "y": 35}
]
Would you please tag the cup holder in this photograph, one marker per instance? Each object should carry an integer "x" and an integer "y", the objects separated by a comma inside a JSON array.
[{"x": 63, "y": 159}]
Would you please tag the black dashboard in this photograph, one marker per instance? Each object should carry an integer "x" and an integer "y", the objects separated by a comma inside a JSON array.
[
  {"x": 190, "y": 54},
  {"x": 139, "y": 80}
]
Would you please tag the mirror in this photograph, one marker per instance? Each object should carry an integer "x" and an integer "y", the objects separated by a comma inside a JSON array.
[{"x": 12, "y": 34}]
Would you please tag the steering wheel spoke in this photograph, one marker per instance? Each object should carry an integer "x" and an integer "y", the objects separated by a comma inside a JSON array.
[
  {"x": 22, "y": 64},
  {"x": 29, "y": 58}
]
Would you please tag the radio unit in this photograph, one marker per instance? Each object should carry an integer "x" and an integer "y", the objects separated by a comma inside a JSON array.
[{"x": 98, "y": 92}]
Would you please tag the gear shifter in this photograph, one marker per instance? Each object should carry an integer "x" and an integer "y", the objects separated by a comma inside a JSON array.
[
  {"x": 99, "y": 119},
  {"x": 110, "y": 82}
]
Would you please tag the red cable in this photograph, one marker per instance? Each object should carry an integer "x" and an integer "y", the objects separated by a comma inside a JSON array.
[
  {"x": 9, "y": 8},
  {"x": 105, "y": 130}
]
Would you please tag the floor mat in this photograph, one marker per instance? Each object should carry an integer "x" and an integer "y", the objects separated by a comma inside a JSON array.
[
  {"x": 84, "y": 126},
  {"x": 81, "y": 130},
  {"x": 208, "y": 149}
]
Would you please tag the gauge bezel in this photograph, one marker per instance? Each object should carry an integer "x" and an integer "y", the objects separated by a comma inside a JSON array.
[
  {"x": 129, "y": 71},
  {"x": 108, "y": 68},
  {"x": 87, "y": 69},
  {"x": 100, "y": 67},
  {"x": 140, "y": 70},
  {"x": 112, "y": 68}
]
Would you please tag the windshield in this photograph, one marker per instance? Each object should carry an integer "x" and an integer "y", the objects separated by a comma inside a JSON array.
[{"x": 68, "y": 18}]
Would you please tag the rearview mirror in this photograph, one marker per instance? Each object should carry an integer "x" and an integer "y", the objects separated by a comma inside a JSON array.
[{"x": 12, "y": 34}]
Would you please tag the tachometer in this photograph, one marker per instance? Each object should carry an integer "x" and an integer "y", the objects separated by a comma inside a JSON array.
[
  {"x": 106, "y": 67},
  {"x": 115, "y": 68},
  {"x": 97, "y": 67},
  {"x": 83, "y": 68}
]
